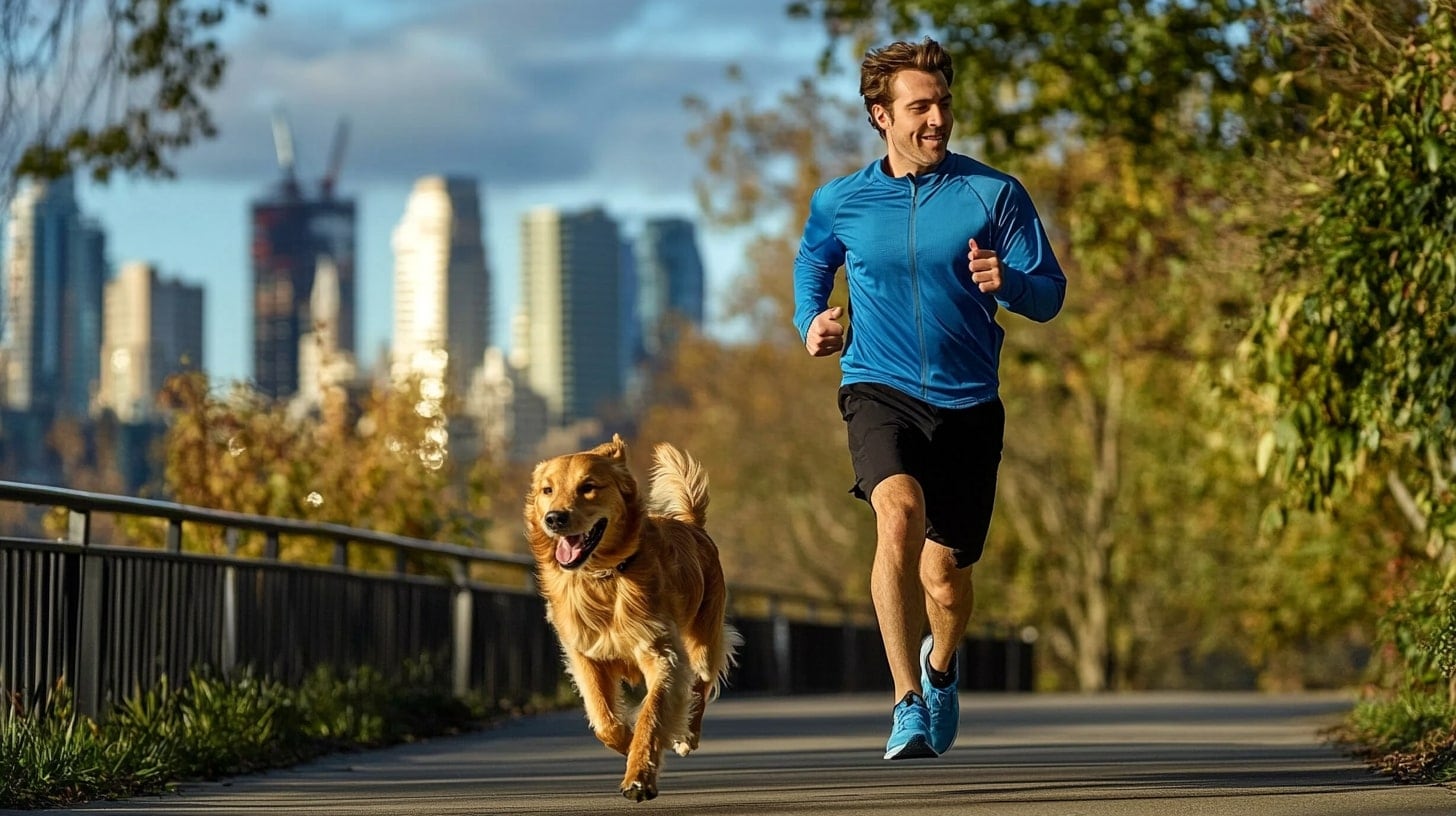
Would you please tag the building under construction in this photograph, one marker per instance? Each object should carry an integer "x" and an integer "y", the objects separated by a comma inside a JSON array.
[{"x": 294, "y": 234}]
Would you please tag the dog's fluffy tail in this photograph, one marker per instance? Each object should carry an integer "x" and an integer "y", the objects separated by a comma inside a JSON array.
[{"x": 679, "y": 486}]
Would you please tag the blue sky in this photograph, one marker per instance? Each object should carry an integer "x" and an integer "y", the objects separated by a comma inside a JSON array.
[{"x": 558, "y": 102}]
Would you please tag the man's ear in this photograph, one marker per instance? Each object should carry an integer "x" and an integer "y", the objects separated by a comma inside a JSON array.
[{"x": 882, "y": 116}]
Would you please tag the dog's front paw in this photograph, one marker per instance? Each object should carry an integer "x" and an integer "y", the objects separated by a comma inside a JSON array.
[{"x": 640, "y": 790}]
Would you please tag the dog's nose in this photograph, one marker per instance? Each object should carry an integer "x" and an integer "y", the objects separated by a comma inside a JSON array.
[{"x": 556, "y": 520}]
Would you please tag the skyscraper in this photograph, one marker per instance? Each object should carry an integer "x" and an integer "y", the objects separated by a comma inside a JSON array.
[
  {"x": 153, "y": 330},
  {"x": 570, "y": 294},
  {"x": 441, "y": 284},
  {"x": 670, "y": 280},
  {"x": 292, "y": 234},
  {"x": 55, "y": 268}
]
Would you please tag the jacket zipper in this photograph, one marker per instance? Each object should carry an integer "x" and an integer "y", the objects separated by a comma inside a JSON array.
[{"x": 915, "y": 290}]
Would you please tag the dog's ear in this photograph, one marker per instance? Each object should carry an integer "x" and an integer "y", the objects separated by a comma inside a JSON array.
[{"x": 616, "y": 449}]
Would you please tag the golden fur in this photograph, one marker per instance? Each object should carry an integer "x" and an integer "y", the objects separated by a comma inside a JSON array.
[{"x": 635, "y": 591}]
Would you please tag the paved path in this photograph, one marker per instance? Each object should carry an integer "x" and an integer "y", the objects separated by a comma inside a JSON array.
[{"x": 1019, "y": 755}]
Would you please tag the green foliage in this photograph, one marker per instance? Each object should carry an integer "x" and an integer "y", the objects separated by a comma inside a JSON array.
[
  {"x": 211, "y": 727},
  {"x": 52, "y": 756},
  {"x": 1406, "y": 725},
  {"x": 1195, "y": 75},
  {"x": 1418, "y": 632},
  {"x": 1353, "y": 358},
  {"x": 162, "y": 51}
]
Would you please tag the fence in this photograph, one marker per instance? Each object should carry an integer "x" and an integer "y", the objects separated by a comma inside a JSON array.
[{"x": 112, "y": 620}]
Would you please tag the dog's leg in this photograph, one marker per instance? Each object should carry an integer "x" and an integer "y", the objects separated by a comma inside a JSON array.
[
  {"x": 601, "y": 690},
  {"x": 688, "y": 742},
  {"x": 665, "y": 674}
]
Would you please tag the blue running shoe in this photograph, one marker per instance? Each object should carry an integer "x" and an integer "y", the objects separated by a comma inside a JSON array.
[
  {"x": 910, "y": 735},
  {"x": 944, "y": 705}
]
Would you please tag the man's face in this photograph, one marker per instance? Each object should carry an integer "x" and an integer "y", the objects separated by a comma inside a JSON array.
[{"x": 917, "y": 126}]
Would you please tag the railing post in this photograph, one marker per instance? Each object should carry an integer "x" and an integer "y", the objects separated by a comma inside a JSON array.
[
  {"x": 174, "y": 535},
  {"x": 463, "y": 613},
  {"x": 88, "y": 636},
  {"x": 341, "y": 552},
  {"x": 783, "y": 674},
  {"x": 228, "y": 653}
]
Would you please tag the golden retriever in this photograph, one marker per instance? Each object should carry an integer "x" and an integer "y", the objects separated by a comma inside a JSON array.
[{"x": 634, "y": 589}]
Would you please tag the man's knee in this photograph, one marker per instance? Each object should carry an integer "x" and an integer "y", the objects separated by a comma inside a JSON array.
[
  {"x": 947, "y": 585},
  {"x": 899, "y": 501}
]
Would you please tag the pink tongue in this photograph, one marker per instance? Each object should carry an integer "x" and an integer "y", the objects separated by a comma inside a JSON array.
[{"x": 568, "y": 548}]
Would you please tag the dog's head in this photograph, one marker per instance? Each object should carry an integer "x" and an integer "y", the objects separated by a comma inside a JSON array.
[{"x": 583, "y": 508}]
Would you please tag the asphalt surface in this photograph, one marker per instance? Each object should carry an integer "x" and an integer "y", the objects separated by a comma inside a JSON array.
[{"x": 1018, "y": 755}]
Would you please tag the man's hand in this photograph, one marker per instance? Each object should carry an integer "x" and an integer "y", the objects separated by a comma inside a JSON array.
[
  {"x": 826, "y": 333},
  {"x": 985, "y": 268}
]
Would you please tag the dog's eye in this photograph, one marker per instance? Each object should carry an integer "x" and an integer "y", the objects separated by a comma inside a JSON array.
[
  {"x": 546, "y": 491},
  {"x": 586, "y": 488}
]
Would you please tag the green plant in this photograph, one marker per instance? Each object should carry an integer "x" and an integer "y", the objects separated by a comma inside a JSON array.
[{"x": 213, "y": 726}]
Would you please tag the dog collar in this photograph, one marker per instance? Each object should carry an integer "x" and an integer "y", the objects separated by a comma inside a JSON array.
[
  {"x": 627, "y": 562},
  {"x": 622, "y": 567}
]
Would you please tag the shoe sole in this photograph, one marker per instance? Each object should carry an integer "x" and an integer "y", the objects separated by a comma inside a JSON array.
[
  {"x": 925, "y": 646},
  {"x": 917, "y": 748}
]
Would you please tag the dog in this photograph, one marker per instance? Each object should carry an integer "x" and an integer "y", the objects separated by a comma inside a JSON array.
[{"x": 635, "y": 592}]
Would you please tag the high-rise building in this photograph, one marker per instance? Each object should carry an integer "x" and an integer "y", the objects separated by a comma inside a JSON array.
[
  {"x": 629, "y": 318},
  {"x": 153, "y": 330},
  {"x": 441, "y": 283},
  {"x": 670, "y": 282},
  {"x": 570, "y": 286},
  {"x": 322, "y": 366},
  {"x": 293, "y": 233},
  {"x": 511, "y": 417},
  {"x": 50, "y": 332}
]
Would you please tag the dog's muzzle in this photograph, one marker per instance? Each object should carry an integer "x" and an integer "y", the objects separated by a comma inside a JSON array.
[{"x": 556, "y": 520}]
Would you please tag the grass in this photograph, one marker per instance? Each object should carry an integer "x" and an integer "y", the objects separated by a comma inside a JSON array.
[
  {"x": 1410, "y": 735},
  {"x": 210, "y": 727}
]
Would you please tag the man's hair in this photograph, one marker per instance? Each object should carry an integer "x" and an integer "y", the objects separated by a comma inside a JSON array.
[{"x": 881, "y": 64}]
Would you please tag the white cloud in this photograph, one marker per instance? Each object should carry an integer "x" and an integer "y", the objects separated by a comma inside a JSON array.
[{"x": 516, "y": 93}]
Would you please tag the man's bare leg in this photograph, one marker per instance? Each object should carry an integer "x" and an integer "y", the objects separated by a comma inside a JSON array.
[
  {"x": 950, "y": 598},
  {"x": 895, "y": 581}
]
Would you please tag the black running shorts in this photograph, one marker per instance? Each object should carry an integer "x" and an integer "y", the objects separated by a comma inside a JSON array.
[{"x": 952, "y": 452}]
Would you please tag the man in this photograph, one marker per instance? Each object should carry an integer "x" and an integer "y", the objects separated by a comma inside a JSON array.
[{"x": 933, "y": 243}]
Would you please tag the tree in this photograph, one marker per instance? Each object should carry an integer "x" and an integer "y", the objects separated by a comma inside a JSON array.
[
  {"x": 1350, "y": 364},
  {"x": 118, "y": 87},
  {"x": 1352, "y": 360},
  {"x": 387, "y": 468}
]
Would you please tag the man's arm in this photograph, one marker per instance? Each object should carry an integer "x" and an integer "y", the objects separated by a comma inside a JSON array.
[
  {"x": 1033, "y": 284},
  {"x": 820, "y": 256}
]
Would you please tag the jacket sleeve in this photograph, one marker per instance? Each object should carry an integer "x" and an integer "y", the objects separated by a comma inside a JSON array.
[
  {"x": 1034, "y": 285},
  {"x": 820, "y": 256}
]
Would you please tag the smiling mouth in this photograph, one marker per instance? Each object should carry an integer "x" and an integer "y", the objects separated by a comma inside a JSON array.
[{"x": 573, "y": 550}]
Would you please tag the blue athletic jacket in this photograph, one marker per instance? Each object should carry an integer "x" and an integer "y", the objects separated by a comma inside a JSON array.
[{"x": 918, "y": 322}]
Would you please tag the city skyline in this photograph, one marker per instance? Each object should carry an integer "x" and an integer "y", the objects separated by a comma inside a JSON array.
[{"x": 567, "y": 115}]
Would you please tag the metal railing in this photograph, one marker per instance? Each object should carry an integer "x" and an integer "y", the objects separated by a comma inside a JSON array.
[{"x": 112, "y": 620}]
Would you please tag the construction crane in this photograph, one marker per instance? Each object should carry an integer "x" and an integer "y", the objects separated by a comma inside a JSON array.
[
  {"x": 336, "y": 159},
  {"x": 283, "y": 146}
]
